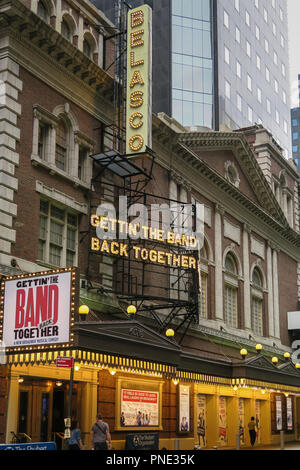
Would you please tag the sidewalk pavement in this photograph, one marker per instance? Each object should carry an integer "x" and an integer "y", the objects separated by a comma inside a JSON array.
[{"x": 295, "y": 445}]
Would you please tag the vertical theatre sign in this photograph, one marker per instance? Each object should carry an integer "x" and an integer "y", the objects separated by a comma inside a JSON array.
[
  {"x": 37, "y": 310},
  {"x": 139, "y": 80}
]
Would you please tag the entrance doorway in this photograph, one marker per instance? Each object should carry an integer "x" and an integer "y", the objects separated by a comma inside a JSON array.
[{"x": 42, "y": 409}]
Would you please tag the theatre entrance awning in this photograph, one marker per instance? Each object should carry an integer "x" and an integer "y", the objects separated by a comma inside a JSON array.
[
  {"x": 126, "y": 338},
  {"x": 260, "y": 369}
]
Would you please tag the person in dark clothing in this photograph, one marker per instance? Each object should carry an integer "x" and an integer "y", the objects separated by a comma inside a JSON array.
[
  {"x": 252, "y": 430},
  {"x": 100, "y": 435}
]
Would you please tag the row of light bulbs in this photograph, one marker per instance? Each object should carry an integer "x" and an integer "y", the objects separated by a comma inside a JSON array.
[
  {"x": 258, "y": 347},
  {"x": 131, "y": 310}
]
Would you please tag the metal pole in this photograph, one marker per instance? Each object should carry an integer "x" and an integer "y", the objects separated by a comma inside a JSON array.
[
  {"x": 281, "y": 440},
  {"x": 70, "y": 391},
  {"x": 68, "y": 420}
]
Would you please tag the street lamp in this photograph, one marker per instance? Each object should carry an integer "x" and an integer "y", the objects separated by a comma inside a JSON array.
[
  {"x": 83, "y": 311},
  {"x": 243, "y": 353},
  {"x": 170, "y": 333},
  {"x": 131, "y": 309}
]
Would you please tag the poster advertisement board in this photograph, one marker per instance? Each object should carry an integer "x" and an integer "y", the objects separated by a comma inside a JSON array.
[
  {"x": 37, "y": 309},
  {"x": 289, "y": 413},
  {"x": 138, "y": 405},
  {"x": 184, "y": 408},
  {"x": 257, "y": 419},
  {"x": 278, "y": 413},
  {"x": 242, "y": 420},
  {"x": 201, "y": 420},
  {"x": 139, "y": 408}
]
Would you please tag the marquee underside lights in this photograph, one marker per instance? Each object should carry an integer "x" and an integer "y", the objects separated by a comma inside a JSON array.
[{"x": 139, "y": 80}]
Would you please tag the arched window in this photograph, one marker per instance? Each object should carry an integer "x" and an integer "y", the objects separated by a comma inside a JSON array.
[
  {"x": 66, "y": 30},
  {"x": 231, "y": 291},
  {"x": 257, "y": 302},
  {"x": 61, "y": 150},
  {"x": 42, "y": 11}
]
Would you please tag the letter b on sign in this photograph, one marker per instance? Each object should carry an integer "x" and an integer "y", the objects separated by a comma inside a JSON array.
[{"x": 137, "y": 18}]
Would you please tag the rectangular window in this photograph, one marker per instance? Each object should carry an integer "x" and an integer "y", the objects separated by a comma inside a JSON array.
[
  {"x": 257, "y": 323},
  {"x": 258, "y": 62},
  {"x": 61, "y": 146},
  {"x": 257, "y": 32},
  {"x": 248, "y": 49},
  {"x": 249, "y": 82},
  {"x": 42, "y": 139},
  {"x": 226, "y": 19},
  {"x": 239, "y": 102},
  {"x": 259, "y": 94},
  {"x": 58, "y": 235},
  {"x": 82, "y": 158},
  {"x": 203, "y": 296},
  {"x": 250, "y": 114},
  {"x": 227, "y": 89}
]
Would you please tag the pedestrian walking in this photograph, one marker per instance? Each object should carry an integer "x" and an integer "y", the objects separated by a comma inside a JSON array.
[
  {"x": 100, "y": 435},
  {"x": 75, "y": 442},
  {"x": 252, "y": 430}
]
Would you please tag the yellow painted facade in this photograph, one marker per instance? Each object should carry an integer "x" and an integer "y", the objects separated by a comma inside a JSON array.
[{"x": 42, "y": 379}]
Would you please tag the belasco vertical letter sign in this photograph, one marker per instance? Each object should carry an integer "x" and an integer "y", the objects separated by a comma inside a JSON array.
[{"x": 139, "y": 80}]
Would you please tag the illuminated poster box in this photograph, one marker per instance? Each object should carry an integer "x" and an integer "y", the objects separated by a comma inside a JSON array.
[{"x": 37, "y": 310}]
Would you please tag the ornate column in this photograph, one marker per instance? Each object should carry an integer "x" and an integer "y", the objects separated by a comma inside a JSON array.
[
  {"x": 270, "y": 290},
  {"x": 276, "y": 294},
  {"x": 219, "y": 212},
  {"x": 247, "y": 289}
]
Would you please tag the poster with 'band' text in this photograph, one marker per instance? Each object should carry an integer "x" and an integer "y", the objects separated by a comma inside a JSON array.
[{"x": 37, "y": 310}]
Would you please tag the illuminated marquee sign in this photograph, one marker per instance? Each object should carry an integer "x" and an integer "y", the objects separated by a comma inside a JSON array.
[
  {"x": 139, "y": 80},
  {"x": 140, "y": 253},
  {"x": 37, "y": 310}
]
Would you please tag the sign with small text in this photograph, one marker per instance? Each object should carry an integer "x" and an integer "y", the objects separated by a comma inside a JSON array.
[{"x": 65, "y": 362}]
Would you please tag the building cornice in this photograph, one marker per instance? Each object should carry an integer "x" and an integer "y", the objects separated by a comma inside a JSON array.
[
  {"x": 46, "y": 54},
  {"x": 175, "y": 155}
]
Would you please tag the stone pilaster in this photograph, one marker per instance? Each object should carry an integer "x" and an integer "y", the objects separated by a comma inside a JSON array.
[{"x": 10, "y": 109}]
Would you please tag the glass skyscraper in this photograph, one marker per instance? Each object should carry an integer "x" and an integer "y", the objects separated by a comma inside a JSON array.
[
  {"x": 220, "y": 62},
  {"x": 192, "y": 63}
]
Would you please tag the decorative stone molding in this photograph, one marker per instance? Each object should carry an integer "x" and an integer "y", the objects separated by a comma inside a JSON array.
[
  {"x": 60, "y": 197},
  {"x": 10, "y": 86},
  {"x": 231, "y": 173},
  {"x": 257, "y": 247},
  {"x": 220, "y": 209},
  {"x": 231, "y": 231}
]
